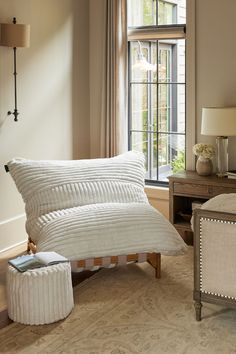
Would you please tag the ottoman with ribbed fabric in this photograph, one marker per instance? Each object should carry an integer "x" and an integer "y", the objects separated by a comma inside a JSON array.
[{"x": 40, "y": 296}]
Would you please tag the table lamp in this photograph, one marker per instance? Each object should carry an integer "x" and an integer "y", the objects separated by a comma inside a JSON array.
[{"x": 220, "y": 122}]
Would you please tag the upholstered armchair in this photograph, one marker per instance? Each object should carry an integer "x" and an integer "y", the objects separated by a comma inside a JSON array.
[{"x": 215, "y": 252}]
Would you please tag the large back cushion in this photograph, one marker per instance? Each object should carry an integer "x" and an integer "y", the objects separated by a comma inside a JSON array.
[{"x": 54, "y": 185}]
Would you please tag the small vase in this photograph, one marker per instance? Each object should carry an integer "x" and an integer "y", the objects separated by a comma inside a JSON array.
[{"x": 204, "y": 167}]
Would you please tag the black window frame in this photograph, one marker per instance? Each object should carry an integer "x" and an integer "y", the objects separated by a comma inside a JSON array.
[{"x": 130, "y": 83}]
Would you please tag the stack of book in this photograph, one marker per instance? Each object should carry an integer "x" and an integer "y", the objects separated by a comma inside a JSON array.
[{"x": 231, "y": 174}]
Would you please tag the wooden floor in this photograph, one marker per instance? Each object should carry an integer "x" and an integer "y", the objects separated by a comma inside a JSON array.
[
  {"x": 4, "y": 257},
  {"x": 4, "y": 320},
  {"x": 3, "y": 266}
]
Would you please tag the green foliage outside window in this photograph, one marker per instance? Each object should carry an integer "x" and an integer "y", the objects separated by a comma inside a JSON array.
[
  {"x": 165, "y": 13},
  {"x": 178, "y": 162},
  {"x": 149, "y": 12}
]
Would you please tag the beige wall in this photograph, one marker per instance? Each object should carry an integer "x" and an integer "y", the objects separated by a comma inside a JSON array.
[
  {"x": 158, "y": 197},
  {"x": 215, "y": 61},
  {"x": 53, "y": 97}
]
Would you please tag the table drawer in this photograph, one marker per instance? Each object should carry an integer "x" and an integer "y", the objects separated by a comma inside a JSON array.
[
  {"x": 222, "y": 190},
  {"x": 201, "y": 190},
  {"x": 193, "y": 189}
]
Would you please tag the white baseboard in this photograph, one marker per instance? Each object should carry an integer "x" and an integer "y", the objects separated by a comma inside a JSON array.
[
  {"x": 14, "y": 218},
  {"x": 12, "y": 232},
  {"x": 13, "y": 246}
]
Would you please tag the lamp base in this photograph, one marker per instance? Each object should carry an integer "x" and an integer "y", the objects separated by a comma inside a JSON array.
[{"x": 222, "y": 156}]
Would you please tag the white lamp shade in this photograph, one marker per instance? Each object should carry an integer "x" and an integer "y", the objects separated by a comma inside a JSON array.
[
  {"x": 219, "y": 121},
  {"x": 15, "y": 35}
]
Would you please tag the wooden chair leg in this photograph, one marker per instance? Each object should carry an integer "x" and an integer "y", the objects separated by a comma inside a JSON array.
[
  {"x": 198, "y": 310},
  {"x": 155, "y": 260},
  {"x": 31, "y": 247},
  {"x": 28, "y": 248}
]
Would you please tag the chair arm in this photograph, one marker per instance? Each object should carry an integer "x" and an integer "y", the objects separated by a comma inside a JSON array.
[
  {"x": 214, "y": 255},
  {"x": 211, "y": 214},
  {"x": 214, "y": 258}
]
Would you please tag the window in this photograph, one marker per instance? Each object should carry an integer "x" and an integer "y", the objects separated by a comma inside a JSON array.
[{"x": 157, "y": 84}]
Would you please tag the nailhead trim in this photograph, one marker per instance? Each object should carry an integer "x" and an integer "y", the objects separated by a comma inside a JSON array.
[{"x": 200, "y": 255}]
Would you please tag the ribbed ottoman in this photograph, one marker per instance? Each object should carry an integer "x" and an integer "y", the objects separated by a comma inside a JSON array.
[{"x": 39, "y": 296}]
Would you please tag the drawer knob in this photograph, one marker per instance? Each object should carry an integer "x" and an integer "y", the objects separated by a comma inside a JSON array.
[{"x": 210, "y": 190}]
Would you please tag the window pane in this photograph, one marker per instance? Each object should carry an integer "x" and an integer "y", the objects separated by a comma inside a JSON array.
[
  {"x": 171, "y": 61},
  {"x": 144, "y": 107},
  {"x": 171, "y": 154},
  {"x": 139, "y": 142},
  {"x": 153, "y": 121},
  {"x": 180, "y": 58},
  {"x": 166, "y": 13},
  {"x": 141, "y": 13},
  {"x": 173, "y": 12},
  {"x": 164, "y": 63},
  {"x": 171, "y": 108},
  {"x": 143, "y": 61},
  {"x": 164, "y": 106},
  {"x": 139, "y": 107},
  {"x": 146, "y": 143}
]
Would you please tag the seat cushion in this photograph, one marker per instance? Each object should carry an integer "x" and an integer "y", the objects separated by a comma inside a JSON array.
[
  {"x": 107, "y": 229},
  {"x": 222, "y": 202}
]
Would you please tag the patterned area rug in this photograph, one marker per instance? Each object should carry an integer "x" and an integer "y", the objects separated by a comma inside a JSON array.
[{"x": 125, "y": 310}]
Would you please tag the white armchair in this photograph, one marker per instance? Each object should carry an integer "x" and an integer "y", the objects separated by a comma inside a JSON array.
[{"x": 215, "y": 252}]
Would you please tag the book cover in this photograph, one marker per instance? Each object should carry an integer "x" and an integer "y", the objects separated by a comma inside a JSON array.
[
  {"x": 232, "y": 176},
  {"x": 38, "y": 260},
  {"x": 231, "y": 173}
]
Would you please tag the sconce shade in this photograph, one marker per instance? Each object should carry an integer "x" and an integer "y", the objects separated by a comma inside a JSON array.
[
  {"x": 15, "y": 35},
  {"x": 219, "y": 121}
]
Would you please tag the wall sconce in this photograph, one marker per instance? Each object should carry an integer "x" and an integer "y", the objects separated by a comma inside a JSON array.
[{"x": 15, "y": 35}]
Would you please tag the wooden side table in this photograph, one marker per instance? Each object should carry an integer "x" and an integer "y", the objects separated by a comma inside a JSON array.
[{"x": 186, "y": 188}]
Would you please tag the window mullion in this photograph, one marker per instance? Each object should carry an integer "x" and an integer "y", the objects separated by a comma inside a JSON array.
[
  {"x": 150, "y": 142},
  {"x": 157, "y": 93},
  {"x": 157, "y": 12},
  {"x": 129, "y": 98}
]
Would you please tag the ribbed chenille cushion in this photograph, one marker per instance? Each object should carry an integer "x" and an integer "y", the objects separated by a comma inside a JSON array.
[
  {"x": 54, "y": 185},
  {"x": 94, "y": 207}
]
